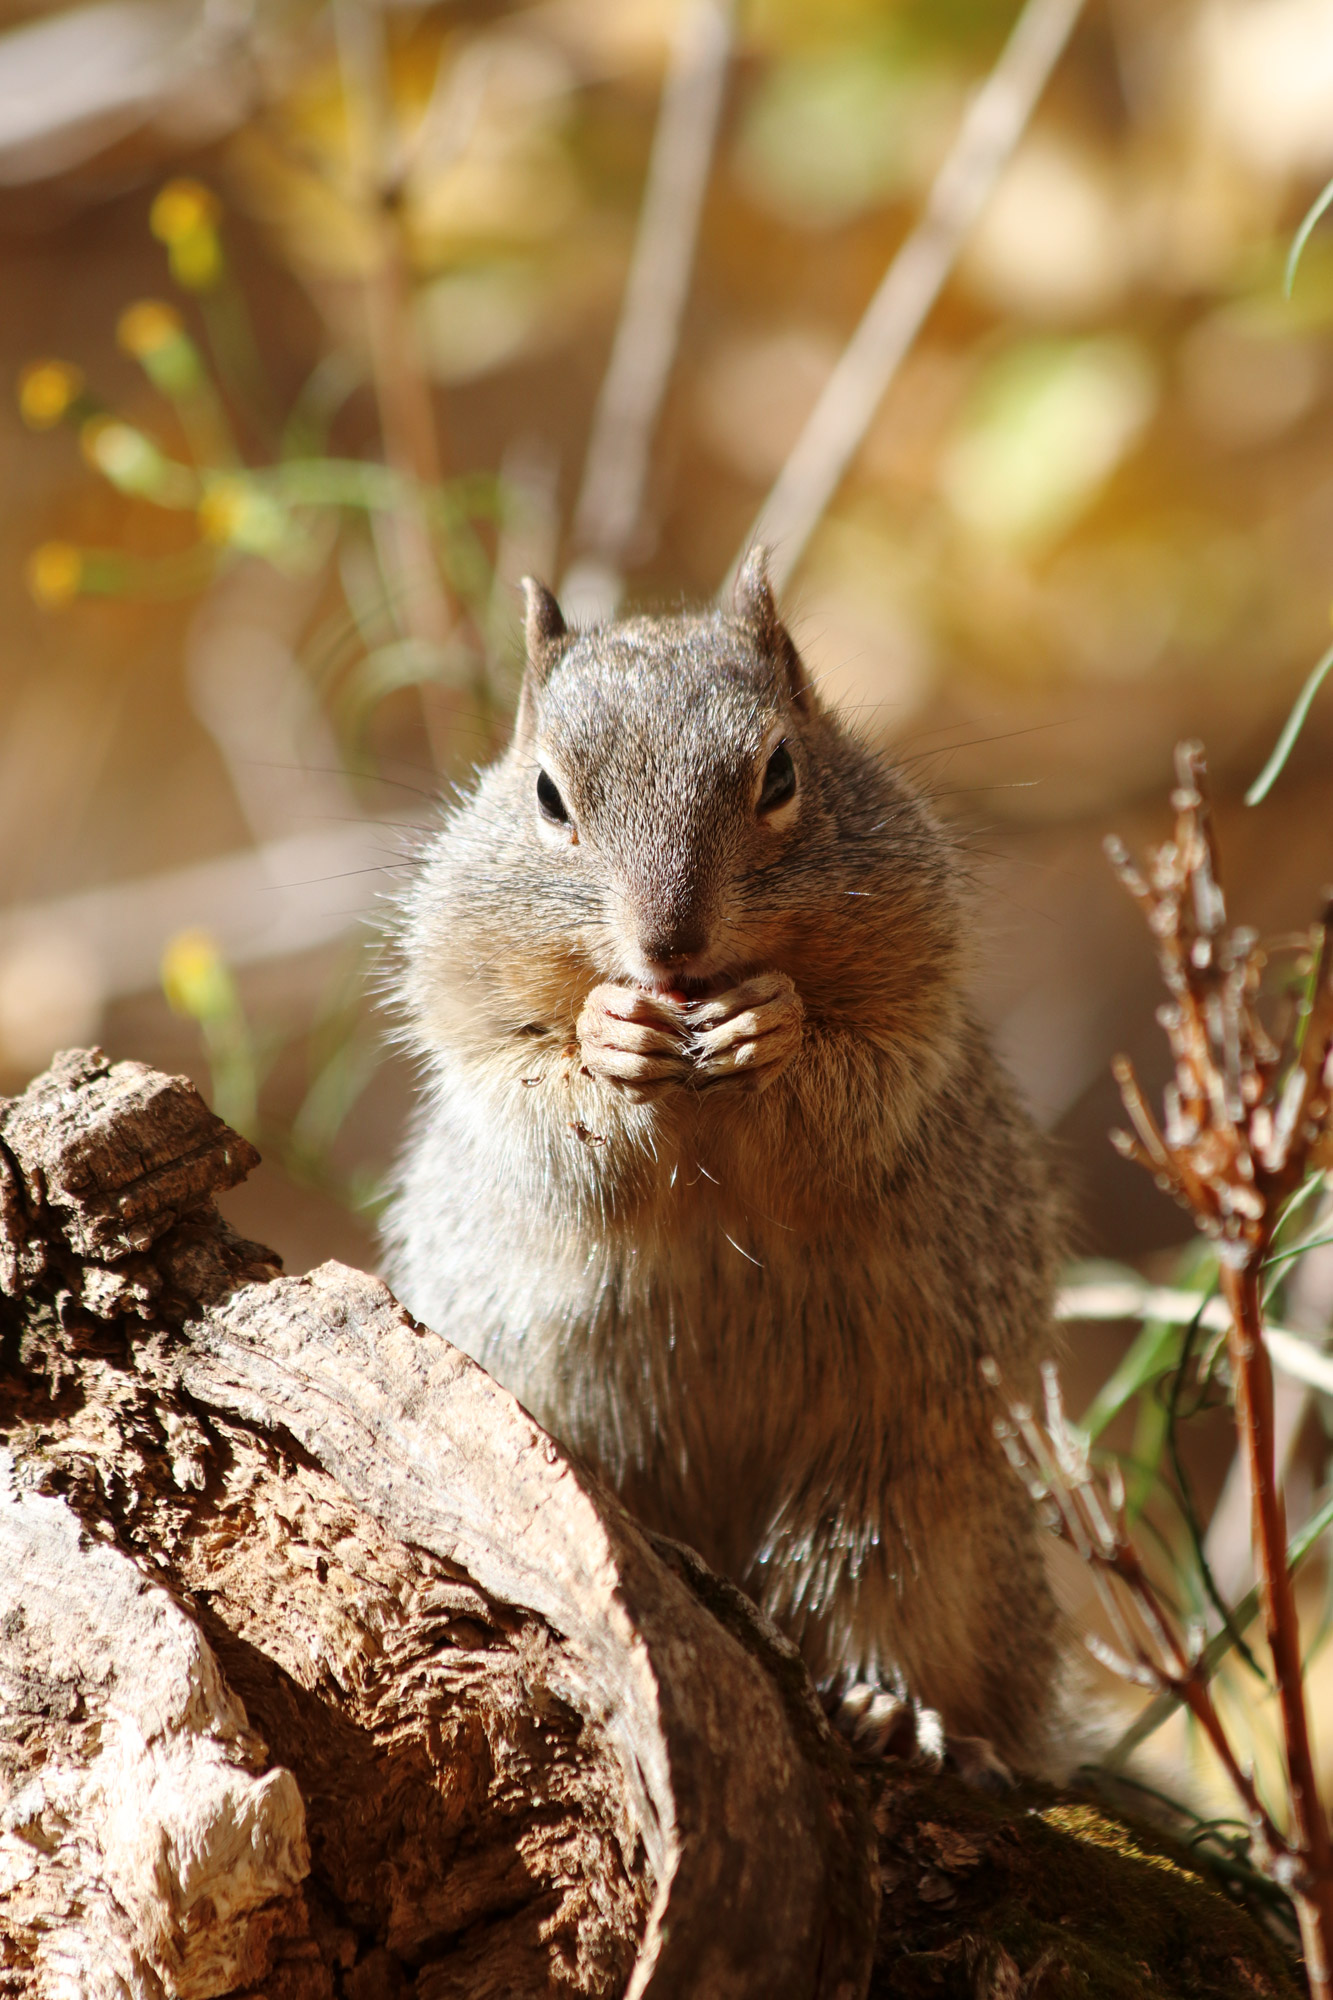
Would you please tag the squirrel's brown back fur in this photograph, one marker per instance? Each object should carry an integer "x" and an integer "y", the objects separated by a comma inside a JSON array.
[{"x": 714, "y": 1168}]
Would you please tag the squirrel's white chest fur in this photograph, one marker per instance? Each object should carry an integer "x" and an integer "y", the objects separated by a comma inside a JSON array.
[{"x": 736, "y": 1374}]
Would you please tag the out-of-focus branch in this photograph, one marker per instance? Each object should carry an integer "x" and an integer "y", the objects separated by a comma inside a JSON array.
[
  {"x": 609, "y": 508},
  {"x": 525, "y": 546},
  {"x": 1293, "y": 1353},
  {"x": 419, "y": 604},
  {"x": 291, "y": 895},
  {"x": 994, "y": 123}
]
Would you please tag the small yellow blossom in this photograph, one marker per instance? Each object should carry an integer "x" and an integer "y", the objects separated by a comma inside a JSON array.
[
  {"x": 55, "y": 571},
  {"x": 148, "y": 326},
  {"x": 133, "y": 463},
  {"x": 46, "y": 391},
  {"x": 196, "y": 261},
  {"x": 195, "y": 978},
  {"x": 222, "y": 509},
  {"x": 181, "y": 208},
  {"x": 185, "y": 217},
  {"x": 155, "y": 335},
  {"x": 239, "y": 513}
]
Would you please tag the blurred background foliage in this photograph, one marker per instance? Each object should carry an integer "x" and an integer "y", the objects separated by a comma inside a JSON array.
[{"x": 308, "y": 312}]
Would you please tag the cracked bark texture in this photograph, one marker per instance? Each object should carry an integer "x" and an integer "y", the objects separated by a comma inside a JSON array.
[{"x": 325, "y": 1671}]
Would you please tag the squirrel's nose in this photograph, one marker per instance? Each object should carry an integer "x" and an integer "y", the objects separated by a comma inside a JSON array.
[
  {"x": 669, "y": 949},
  {"x": 665, "y": 955}
]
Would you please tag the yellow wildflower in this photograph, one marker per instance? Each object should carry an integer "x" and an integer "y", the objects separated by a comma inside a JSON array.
[
  {"x": 55, "y": 571},
  {"x": 46, "y": 390},
  {"x": 223, "y": 509},
  {"x": 133, "y": 463},
  {"x": 185, "y": 217},
  {"x": 114, "y": 449},
  {"x": 238, "y": 512},
  {"x": 181, "y": 208},
  {"x": 155, "y": 335},
  {"x": 194, "y": 975}
]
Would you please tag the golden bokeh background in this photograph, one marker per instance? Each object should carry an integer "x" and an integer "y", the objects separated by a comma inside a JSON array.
[{"x": 254, "y": 254}]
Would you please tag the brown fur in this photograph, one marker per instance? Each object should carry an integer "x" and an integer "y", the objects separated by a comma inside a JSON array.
[{"x": 714, "y": 1168}]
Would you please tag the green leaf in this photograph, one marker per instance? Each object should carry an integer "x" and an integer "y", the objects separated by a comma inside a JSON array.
[{"x": 1296, "y": 1250}]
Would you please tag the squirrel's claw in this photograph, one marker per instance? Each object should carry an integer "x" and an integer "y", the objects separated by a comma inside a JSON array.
[{"x": 643, "y": 1041}]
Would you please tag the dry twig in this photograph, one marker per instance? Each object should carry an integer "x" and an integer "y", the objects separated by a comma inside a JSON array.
[
  {"x": 995, "y": 122},
  {"x": 418, "y": 599}
]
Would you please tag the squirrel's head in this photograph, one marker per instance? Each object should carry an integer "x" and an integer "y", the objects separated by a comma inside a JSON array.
[{"x": 665, "y": 765}]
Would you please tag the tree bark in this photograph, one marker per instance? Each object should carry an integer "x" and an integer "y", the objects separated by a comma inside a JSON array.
[{"x": 324, "y": 1670}]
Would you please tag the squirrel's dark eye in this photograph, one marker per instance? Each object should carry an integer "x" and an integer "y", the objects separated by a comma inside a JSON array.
[
  {"x": 779, "y": 781},
  {"x": 550, "y": 801}
]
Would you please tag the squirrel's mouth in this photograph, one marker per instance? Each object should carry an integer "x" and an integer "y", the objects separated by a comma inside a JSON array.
[{"x": 687, "y": 990}]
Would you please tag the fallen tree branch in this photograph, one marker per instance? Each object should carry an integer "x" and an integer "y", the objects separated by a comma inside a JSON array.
[{"x": 522, "y": 1742}]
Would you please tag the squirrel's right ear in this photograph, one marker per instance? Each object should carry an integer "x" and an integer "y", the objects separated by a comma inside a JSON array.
[{"x": 754, "y": 606}]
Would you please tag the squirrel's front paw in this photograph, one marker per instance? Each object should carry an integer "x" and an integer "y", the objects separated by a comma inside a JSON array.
[
  {"x": 633, "y": 1039},
  {"x": 748, "y": 1035}
]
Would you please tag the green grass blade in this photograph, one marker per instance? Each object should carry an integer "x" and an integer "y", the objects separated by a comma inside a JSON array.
[
  {"x": 1296, "y": 1250},
  {"x": 1291, "y": 729},
  {"x": 1151, "y": 1354},
  {"x": 1318, "y": 207}
]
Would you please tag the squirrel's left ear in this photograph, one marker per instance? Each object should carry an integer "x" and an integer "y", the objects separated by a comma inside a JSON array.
[
  {"x": 544, "y": 633},
  {"x": 753, "y": 602},
  {"x": 543, "y": 627}
]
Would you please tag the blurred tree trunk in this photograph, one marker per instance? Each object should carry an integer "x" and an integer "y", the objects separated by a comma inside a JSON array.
[{"x": 324, "y": 1670}]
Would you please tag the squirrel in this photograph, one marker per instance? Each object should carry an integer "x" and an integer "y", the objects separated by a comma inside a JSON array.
[{"x": 715, "y": 1169}]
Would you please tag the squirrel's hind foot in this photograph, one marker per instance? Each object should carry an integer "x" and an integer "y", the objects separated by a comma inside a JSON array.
[{"x": 884, "y": 1722}]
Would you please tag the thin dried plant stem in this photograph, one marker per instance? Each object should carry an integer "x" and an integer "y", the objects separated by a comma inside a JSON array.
[
  {"x": 609, "y": 508},
  {"x": 1255, "y": 1422},
  {"x": 991, "y": 129},
  {"x": 1185, "y": 1679},
  {"x": 1053, "y": 1461},
  {"x": 1247, "y": 1119}
]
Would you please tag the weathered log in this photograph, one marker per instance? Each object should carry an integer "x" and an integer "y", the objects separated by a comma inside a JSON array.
[
  {"x": 324, "y": 1670},
  {"x": 528, "y": 1757}
]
